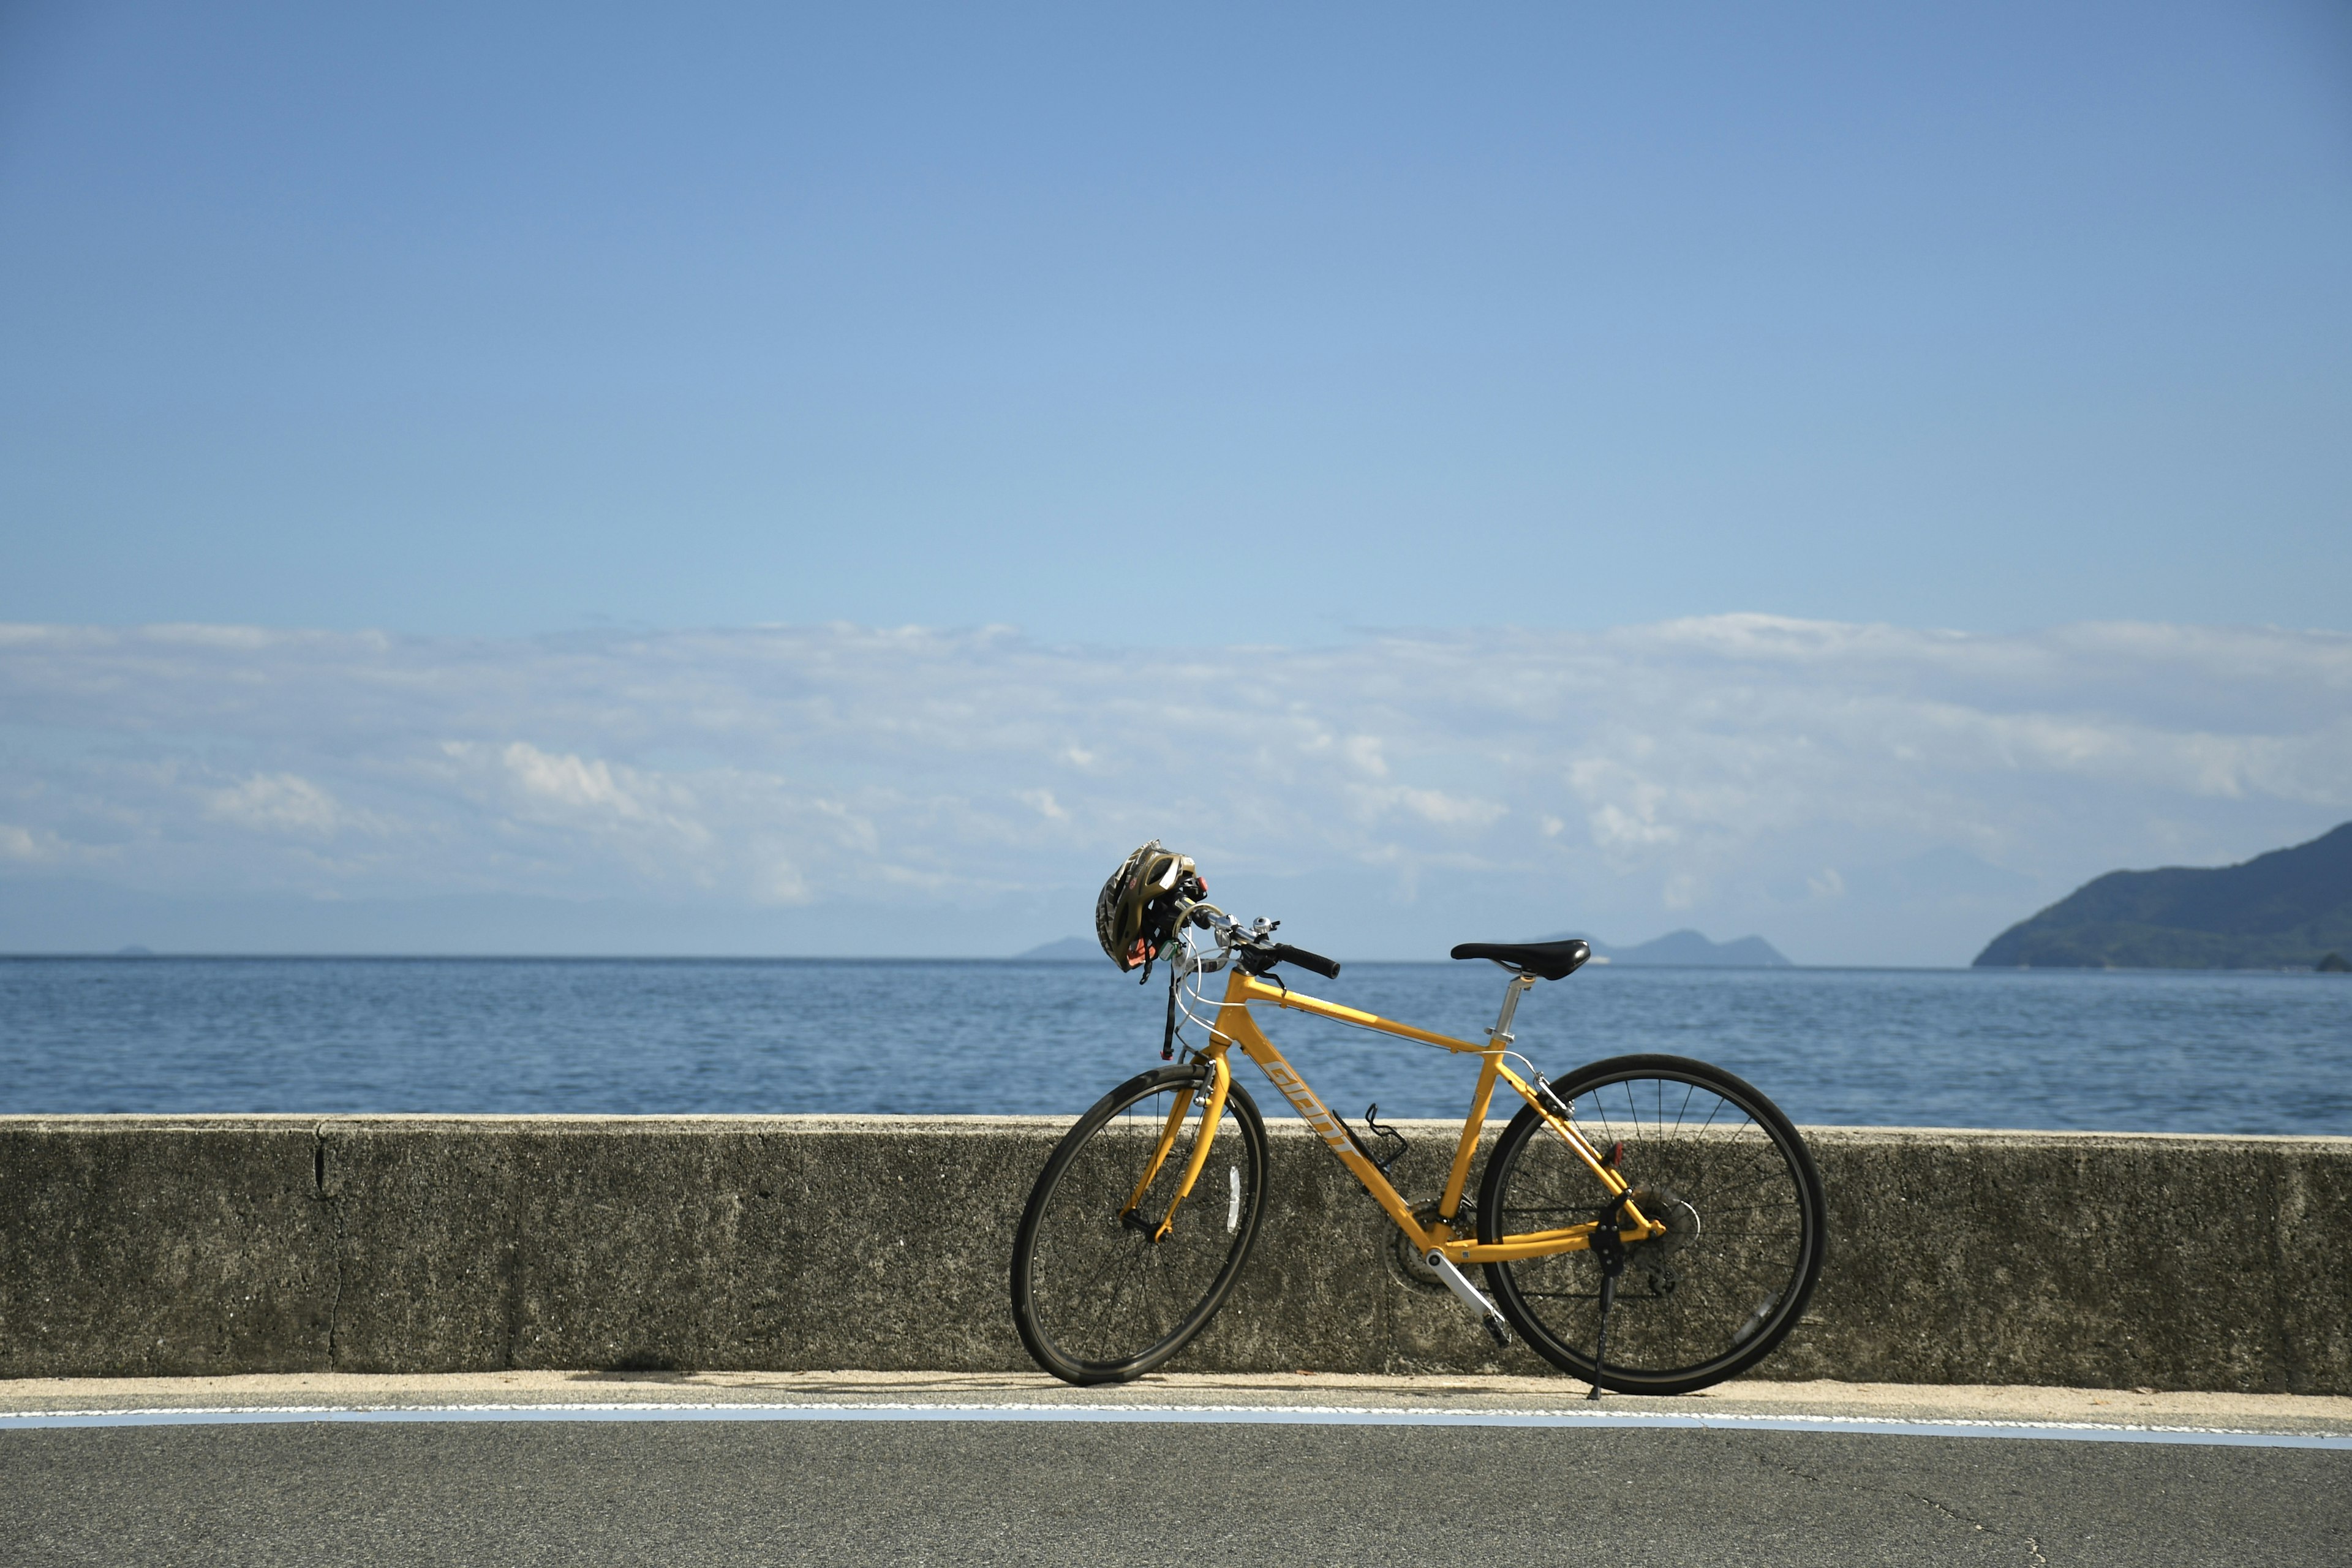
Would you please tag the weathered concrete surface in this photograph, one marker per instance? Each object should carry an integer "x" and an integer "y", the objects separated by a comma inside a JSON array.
[
  {"x": 2121, "y": 1261},
  {"x": 147, "y": 1244},
  {"x": 154, "y": 1246}
]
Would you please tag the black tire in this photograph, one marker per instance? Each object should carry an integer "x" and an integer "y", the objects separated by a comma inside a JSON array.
[
  {"x": 1097, "y": 1300},
  {"x": 1713, "y": 1296}
]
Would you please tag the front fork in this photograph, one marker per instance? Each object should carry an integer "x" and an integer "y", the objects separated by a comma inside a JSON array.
[{"x": 1221, "y": 1084}]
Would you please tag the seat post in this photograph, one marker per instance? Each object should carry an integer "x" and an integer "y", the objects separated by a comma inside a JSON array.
[{"x": 1520, "y": 985}]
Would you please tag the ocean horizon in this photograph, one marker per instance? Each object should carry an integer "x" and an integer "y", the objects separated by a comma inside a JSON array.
[
  {"x": 266, "y": 956},
  {"x": 2120, "y": 1050}
]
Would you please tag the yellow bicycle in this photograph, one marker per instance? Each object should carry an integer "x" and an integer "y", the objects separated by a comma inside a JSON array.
[{"x": 1649, "y": 1223}]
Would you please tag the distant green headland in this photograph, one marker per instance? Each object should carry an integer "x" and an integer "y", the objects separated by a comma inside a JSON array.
[{"x": 2291, "y": 908}]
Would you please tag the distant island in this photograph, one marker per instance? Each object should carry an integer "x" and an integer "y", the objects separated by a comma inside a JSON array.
[
  {"x": 1686, "y": 949},
  {"x": 2291, "y": 908},
  {"x": 1682, "y": 947},
  {"x": 1069, "y": 949}
]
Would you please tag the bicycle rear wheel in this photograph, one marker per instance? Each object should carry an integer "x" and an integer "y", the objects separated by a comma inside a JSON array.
[
  {"x": 1095, "y": 1298},
  {"x": 1727, "y": 1172}
]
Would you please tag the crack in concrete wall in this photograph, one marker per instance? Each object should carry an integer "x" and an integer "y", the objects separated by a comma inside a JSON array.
[{"x": 335, "y": 1210}]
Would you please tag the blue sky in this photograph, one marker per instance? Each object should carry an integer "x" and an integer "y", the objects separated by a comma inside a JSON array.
[{"x": 1345, "y": 330}]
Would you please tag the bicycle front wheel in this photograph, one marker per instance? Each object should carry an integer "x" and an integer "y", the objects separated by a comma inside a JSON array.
[
  {"x": 1720, "y": 1165},
  {"x": 1096, "y": 1299}
]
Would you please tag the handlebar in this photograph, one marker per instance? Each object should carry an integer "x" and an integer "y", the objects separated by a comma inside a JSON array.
[
  {"x": 1253, "y": 945},
  {"x": 1313, "y": 962}
]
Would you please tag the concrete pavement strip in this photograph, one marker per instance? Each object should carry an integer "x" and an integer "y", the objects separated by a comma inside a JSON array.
[{"x": 2320, "y": 1421}]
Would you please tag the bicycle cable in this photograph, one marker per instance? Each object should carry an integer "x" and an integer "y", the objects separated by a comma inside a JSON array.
[
  {"x": 1186, "y": 982},
  {"x": 1194, "y": 967},
  {"x": 1192, "y": 970}
]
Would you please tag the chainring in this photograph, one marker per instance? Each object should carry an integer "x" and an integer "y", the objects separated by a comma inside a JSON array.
[{"x": 1409, "y": 1263}]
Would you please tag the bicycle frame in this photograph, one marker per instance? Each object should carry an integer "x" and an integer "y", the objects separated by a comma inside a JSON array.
[{"x": 1235, "y": 1027}]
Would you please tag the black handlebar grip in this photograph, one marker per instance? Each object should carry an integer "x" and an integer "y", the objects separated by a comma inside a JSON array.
[{"x": 1313, "y": 962}]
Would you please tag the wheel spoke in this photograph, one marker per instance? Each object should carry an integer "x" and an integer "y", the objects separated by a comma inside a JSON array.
[
  {"x": 1099, "y": 1299},
  {"x": 1743, "y": 1193}
]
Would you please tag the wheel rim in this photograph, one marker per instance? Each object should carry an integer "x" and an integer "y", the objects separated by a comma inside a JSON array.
[
  {"x": 1722, "y": 1285},
  {"x": 1102, "y": 1295}
]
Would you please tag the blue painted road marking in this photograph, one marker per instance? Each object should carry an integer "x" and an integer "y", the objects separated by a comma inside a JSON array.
[{"x": 1235, "y": 1415}]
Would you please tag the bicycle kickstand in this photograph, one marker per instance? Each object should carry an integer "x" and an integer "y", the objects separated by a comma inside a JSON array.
[
  {"x": 1600, "y": 1338},
  {"x": 1608, "y": 1248}
]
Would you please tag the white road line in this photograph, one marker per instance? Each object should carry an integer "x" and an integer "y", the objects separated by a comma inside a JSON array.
[{"x": 1230, "y": 1415}]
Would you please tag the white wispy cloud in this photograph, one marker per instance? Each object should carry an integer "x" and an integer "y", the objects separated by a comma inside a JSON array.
[
  {"x": 1745, "y": 771},
  {"x": 285, "y": 804}
]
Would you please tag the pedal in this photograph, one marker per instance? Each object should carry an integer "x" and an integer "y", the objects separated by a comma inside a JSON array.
[{"x": 1471, "y": 1296}]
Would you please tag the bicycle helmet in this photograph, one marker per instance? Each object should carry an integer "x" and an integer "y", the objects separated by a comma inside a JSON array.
[{"x": 1135, "y": 910}]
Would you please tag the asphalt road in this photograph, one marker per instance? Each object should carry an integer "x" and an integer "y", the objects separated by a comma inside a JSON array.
[{"x": 689, "y": 1493}]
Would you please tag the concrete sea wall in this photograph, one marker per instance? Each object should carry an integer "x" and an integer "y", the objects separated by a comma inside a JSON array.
[{"x": 160, "y": 1245}]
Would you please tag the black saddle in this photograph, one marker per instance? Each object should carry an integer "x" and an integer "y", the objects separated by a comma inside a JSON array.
[{"x": 1552, "y": 959}]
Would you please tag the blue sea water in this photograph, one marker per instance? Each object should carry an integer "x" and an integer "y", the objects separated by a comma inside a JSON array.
[{"x": 2195, "y": 1052}]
